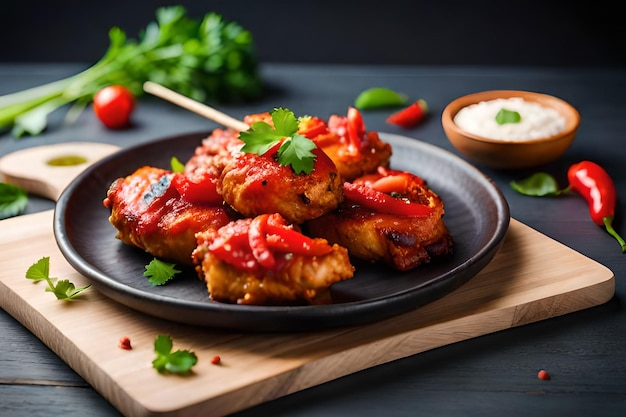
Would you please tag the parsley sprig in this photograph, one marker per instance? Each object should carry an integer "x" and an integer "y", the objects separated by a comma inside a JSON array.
[
  {"x": 159, "y": 272},
  {"x": 166, "y": 361},
  {"x": 62, "y": 289},
  {"x": 295, "y": 149}
]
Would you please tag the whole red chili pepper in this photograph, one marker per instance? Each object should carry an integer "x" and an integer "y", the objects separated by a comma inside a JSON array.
[{"x": 592, "y": 182}]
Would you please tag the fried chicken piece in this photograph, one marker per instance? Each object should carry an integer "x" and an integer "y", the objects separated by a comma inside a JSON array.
[
  {"x": 354, "y": 150},
  {"x": 265, "y": 261},
  {"x": 257, "y": 184},
  {"x": 214, "y": 152},
  {"x": 149, "y": 212},
  {"x": 388, "y": 230}
]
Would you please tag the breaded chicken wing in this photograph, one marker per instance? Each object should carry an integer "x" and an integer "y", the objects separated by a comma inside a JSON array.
[
  {"x": 265, "y": 261},
  {"x": 257, "y": 184},
  {"x": 354, "y": 150},
  {"x": 160, "y": 212},
  {"x": 391, "y": 217}
]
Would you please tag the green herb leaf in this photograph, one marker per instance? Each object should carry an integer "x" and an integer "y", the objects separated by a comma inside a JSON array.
[
  {"x": 40, "y": 270},
  {"x": 160, "y": 272},
  {"x": 13, "y": 200},
  {"x": 177, "y": 166},
  {"x": 297, "y": 153},
  {"x": 285, "y": 122},
  {"x": 295, "y": 149},
  {"x": 508, "y": 116},
  {"x": 539, "y": 184},
  {"x": 180, "y": 361},
  {"x": 380, "y": 97},
  {"x": 63, "y": 289}
]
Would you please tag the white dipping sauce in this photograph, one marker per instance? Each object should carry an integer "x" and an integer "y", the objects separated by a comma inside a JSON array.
[{"x": 536, "y": 121}]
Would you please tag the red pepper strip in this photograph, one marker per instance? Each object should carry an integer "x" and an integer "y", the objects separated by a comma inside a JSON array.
[
  {"x": 383, "y": 203},
  {"x": 201, "y": 189},
  {"x": 234, "y": 249},
  {"x": 256, "y": 238},
  {"x": 356, "y": 128},
  {"x": 391, "y": 184},
  {"x": 311, "y": 127},
  {"x": 290, "y": 241},
  {"x": 592, "y": 182},
  {"x": 410, "y": 116}
]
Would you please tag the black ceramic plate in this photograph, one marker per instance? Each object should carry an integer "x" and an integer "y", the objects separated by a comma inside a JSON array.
[{"x": 477, "y": 215}]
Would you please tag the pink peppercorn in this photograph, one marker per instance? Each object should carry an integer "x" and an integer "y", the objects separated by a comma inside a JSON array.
[
  {"x": 125, "y": 343},
  {"x": 216, "y": 360}
]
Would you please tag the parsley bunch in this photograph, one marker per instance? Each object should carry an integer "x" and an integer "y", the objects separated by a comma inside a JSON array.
[{"x": 207, "y": 59}]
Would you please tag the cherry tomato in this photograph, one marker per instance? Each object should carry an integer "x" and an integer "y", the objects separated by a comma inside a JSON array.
[{"x": 113, "y": 105}]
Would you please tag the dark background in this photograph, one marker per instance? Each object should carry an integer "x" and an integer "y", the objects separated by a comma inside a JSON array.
[{"x": 504, "y": 32}]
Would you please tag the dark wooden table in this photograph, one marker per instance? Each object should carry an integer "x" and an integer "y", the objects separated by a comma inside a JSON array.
[{"x": 585, "y": 352}]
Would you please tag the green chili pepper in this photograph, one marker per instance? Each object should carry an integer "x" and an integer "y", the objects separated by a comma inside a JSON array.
[{"x": 379, "y": 97}]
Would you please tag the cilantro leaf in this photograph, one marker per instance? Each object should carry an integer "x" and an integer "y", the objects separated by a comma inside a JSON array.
[
  {"x": 39, "y": 271},
  {"x": 160, "y": 272},
  {"x": 260, "y": 138},
  {"x": 539, "y": 184},
  {"x": 62, "y": 289},
  {"x": 13, "y": 200},
  {"x": 508, "y": 116},
  {"x": 297, "y": 152},
  {"x": 285, "y": 122},
  {"x": 180, "y": 361},
  {"x": 295, "y": 149}
]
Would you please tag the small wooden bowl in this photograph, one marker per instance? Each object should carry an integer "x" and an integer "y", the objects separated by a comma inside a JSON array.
[{"x": 504, "y": 154}]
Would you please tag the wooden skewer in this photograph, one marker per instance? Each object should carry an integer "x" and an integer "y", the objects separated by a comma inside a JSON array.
[{"x": 195, "y": 106}]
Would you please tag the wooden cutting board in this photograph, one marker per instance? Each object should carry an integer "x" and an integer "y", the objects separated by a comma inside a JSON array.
[{"x": 531, "y": 278}]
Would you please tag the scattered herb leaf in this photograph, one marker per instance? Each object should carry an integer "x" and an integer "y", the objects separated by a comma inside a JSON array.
[
  {"x": 380, "y": 97},
  {"x": 179, "y": 362},
  {"x": 538, "y": 185},
  {"x": 295, "y": 149},
  {"x": 177, "y": 166},
  {"x": 62, "y": 289},
  {"x": 159, "y": 272},
  {"x": 508, "y": 116},
  {"x": 13, "y": 200}
]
